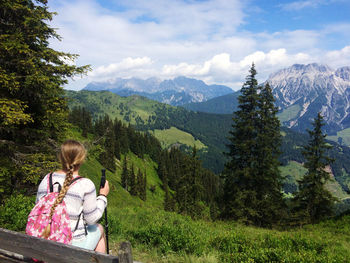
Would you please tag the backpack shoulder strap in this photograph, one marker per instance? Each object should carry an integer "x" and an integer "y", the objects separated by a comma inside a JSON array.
[
  {"x": 75, "y": 179},
  {"x": 50, "y": 183}
]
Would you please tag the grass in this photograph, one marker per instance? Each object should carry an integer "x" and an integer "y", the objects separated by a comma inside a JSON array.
[
  {"x": 175, "y": 238},
  {"x": 294, "y": 171},
  {"x": 289, "y": 113},
  {"x": 173, "y": 136},
  {"x": 119, "y": 197},
  {"x": 116, "y": 106},
  {"x": 343, "y": 134}
]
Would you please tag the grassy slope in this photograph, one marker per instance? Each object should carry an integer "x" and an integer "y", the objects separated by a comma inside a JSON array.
[
  {"x": 119, "y": 197},
  {"x": 294, "y": 171},
  {"x": 128, "y": 109},
  {"x": 173, "y": 135},
  {"x": 289, "y": 113},
  {"x": 344, "y": 134},
  {"x": 175, "y": 238},
  {"x": 159, "y": 236}
]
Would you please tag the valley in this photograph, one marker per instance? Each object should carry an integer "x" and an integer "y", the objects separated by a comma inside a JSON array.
[{"x": 175, "y": 126}]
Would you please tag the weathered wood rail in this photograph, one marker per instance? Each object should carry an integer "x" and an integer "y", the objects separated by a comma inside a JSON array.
[{"x": 19, "y": 247}]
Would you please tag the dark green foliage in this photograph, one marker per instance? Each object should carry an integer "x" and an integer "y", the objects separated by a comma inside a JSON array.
[
  {"x": 125, "y": 174},
  {"x": 82, "y": 118},
  {"x": 141, "y": 185},
  {"x": 193, "y": 186},
  {"x": 271, "y": 206},
  {"x": 33, "y": 111},
  {"x": 169, "y": 204},
  {"x": 107, "y": 157},
  {"x": 252, "y": 188},
  {"x": 313, "y": 202},
  {"x": 132, "y": 181},
  {"x": 15, "y": 210}
]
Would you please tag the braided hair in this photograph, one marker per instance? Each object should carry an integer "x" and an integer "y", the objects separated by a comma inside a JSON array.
[{"x": 71, "y": 156}]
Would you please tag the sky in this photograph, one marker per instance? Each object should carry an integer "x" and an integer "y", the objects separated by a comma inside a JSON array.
[{"x": 212, "y": 40}]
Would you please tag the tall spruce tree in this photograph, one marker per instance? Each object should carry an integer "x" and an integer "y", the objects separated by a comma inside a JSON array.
[
  {"x": 240, "y": 197},
  {"x": 195, "y": 185},
  {"x": 139, "y": 183},
  {"x": 271, "y": 206},
  {"x": 144, "y": 187},
  {"x": 132, "y": 177},
  {"x": 33, "y": 110},
  {"x": 251, "y": 177},
  {"x": 125, "y": 174},
  {"x": 107, "y": 157},
  {"x": 313, "y": 201}
]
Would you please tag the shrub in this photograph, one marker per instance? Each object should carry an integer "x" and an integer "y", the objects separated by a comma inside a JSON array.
[{"x": 15, "y": 210}]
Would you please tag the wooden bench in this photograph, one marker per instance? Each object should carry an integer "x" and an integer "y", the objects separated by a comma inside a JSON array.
[{"x": 19, "y": 247}]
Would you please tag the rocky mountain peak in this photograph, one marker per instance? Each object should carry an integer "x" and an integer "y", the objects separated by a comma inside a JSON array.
[
  {"x": 343, "y": 73},
  {"x": 312, "y": 88},
  {"x": 177, "y": 91}
]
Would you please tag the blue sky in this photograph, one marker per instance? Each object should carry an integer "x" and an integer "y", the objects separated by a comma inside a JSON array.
[{"x": 212, "y": 40}]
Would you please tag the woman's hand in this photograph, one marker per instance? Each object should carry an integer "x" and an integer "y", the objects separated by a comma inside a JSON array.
[{"x": 105, "y": 189}]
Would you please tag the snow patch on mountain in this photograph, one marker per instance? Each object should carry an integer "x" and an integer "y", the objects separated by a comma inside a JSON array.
[{"x": 315, "y": 88}]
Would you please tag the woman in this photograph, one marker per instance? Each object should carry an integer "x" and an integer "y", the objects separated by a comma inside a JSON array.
[{"x": 83, "y": 207}]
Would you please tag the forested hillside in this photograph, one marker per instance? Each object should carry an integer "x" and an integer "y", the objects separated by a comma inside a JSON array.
[{"x": 209, "y": 129}]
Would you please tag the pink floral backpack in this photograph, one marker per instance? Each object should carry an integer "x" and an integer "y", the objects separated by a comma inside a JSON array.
[{"x": 38, "y": 218}]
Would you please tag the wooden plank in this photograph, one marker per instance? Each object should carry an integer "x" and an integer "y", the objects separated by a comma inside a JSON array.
[
  {"x": 14, "y": 256},
  {"x": 124, "y": 253},
  {"x": 5, "y": 259},
  {"x": 49, "y": 251}
]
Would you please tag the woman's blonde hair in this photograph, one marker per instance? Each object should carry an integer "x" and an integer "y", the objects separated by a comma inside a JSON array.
[{"x": 71, "y": 156}]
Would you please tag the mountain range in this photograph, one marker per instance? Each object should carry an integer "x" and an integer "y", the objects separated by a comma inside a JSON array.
[
  {"x": 177, "y": 91},
  {"x": 301, "y": 91}
]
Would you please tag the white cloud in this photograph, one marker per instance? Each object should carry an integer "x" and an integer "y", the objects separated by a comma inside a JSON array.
[
  {"x": 127, "y": 64},
  {"x": 168, "y": 38},
  {"x": 338, "y": 58},
  {"x": 194, "y": 19}
]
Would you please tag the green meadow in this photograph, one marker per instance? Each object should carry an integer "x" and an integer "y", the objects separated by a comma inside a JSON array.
[{"x": 173, "y": 136}]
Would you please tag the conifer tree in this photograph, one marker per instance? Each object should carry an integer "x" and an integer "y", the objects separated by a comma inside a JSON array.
[
  {"x": 132, "y": 181},
  {"x": 107, "y": 157},
  {"x": 271, "y": 206},
  {"x": 125, "y": 175},
  {"x": 33, "y": 110},
  {"x": 313, "y": 200},
  {"x": 240, "y": 197},
  {"x": 167, "y": 199},
  {"x": 195, "y": 187},
  {"x": 139, "y": 184},
  {"x": 169, "y": 202},
  {"x": 251, "y": 177},
  {"x": 124, "y": 141},
  {"x": 144, "y": 187}
]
